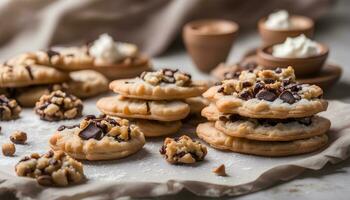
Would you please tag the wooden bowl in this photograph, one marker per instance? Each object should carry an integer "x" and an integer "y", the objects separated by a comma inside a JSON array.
[
  {"x": 209, "y": 41},
  {"x": 302, "y": 66},
  {"x": 270, "y": 36}
]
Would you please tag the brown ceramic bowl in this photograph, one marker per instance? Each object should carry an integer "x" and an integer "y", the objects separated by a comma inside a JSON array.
[
  {"x": 209, "y": 41},
  {"x": 302, "y": 66},
  {"x": 269, "y": 36}
]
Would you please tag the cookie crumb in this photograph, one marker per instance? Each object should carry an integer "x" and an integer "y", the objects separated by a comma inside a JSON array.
[
  {"x": 18, "y": 137},
  {"x": 9, "y": 108},
  {"x": 220, "y": 171},
  {"x": 183, "y": 150},
  {"x": 8, "y": 149}
]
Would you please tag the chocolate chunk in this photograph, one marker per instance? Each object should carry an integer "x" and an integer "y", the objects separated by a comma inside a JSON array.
[
  {"x": 246, "y": 95},
  {"x": 286, "y": 82},
  {"x": 221, "y": 90},
  {"x": 234, "y": 117},
  {"x": 223, "y": 118},
  {"x": 266, "y": 95},
  {"x": 305, "y": 121},
  {"x": 51, "y": 53},
  {"x": 180, "y": 155},
  {"x": 162, "y": 150},
  {"x": 45, "y": 180},
  {"x": 246, "y": 84},
  {"x": 278, "y": 70},
  {"x": 258, "y": 86},
  {"x": 29, "y": 70},
  {"x": 269, "y": 81},
  {"x": 91, "y": 131},
  {"x": 287, "y": 97}
]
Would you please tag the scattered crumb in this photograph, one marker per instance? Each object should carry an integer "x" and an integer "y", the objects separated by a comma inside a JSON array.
[
  {"x": 18, "y": 137},
  {"x": 220, "y": 171},
  {"x": 8, "y": 149},
  {"x": 293, "y": 190}
]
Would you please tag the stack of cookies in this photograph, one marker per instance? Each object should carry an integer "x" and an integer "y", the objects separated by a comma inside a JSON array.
[
  {"x": 154, "y": 101},
  {"x": 266, "y": 113}
]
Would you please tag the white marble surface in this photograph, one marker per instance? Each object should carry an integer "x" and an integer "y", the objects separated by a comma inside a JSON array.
[{"x": 332, "y": 182}]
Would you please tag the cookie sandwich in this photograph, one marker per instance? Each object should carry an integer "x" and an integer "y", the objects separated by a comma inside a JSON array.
[
  {"x": 265, "y": 112},
  {"x": 154, "y": 100}
]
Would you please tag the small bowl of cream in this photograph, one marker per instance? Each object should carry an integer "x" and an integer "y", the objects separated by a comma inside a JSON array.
[
  {"x": 305, "y": 55},
  {"x": 279, "y": 25}
]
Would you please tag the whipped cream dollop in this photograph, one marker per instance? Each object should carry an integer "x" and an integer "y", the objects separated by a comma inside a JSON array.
[
  {"x": 109, "y": 51},
  {"x": 279, "y": 20},
  {"x": 298, "y": 47}
]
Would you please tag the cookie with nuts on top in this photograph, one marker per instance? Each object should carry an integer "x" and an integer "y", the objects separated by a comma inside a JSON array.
[
  {"x": 217, "y": 139},
  {"x": 20, "y": 75},
  {"x": 164, "y": 84},
  {"x": 58, "y": 105},
  {"x": 143, "y": 109},
  {"x": 51, "y": 169},
  {"x": 104, "y": 54},
  {"x": 98, "y": 138},
  {"x": 9, "y": 108},
  {"x": 183, "y": 150},
  {"x": 267, "y": 94}
]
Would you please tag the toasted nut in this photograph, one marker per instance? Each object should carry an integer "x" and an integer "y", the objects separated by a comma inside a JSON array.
[
  {"x": 220, "y": 171},
  {"x": 18, "y": 137},
  {"x": 8, "y": 149}
]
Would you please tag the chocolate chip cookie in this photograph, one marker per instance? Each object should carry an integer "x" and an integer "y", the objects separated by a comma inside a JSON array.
[
  {"x": 267, "y": 94},
  {"x": 164, "y": 84},
  {"x": 98, "y": 138}
]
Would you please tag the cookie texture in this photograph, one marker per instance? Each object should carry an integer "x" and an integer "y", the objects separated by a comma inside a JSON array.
[
  {"x": 143, "y": 109},
  {"x": 196, "y": 104},
  {"x": 58, "y": 105},
  {"x": 87, "y": 83},
  {"x": 98, "y": 138},
  {"x": 267, "y": 94},
  {"x": 272, "y": 129},
  {"x": 164, "y": 84},
  {"x": 51, "y": 169},
  {"x": 183, "y": 150},
  {"x": 9, "y": 108},
  {"x": 20, "y": 75},
  {"x": 217, "y": 139},
  {"x": 153, "y": 128}
]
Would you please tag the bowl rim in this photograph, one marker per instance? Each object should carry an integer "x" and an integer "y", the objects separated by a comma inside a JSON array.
[
  {"x": 188, "y": 27},
  {"x": 261, "y": 25},
  {"x": 262, "y": 52}
]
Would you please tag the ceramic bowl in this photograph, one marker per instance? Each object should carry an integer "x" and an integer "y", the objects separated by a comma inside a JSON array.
[
  {"x": 302, "y": 66},
  {"x": 304, "y": 25},
  {"x": 209, "y": 41}
]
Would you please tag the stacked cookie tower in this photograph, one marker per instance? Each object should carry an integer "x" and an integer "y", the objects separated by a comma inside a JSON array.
[
  {"x": 154, "y": 101},
  {"x": 265, "y": 112}
]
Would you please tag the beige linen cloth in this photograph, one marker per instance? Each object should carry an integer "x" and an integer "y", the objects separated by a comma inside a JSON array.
[
  {"x": 151, "y": 24},
  {"x": 282, "y": 169}
]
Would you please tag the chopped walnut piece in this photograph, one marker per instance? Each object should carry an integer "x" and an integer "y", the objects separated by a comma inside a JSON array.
[
  {"x": 167, "y": 76},
  {"x": 183, "y": 150},
  {"x": 220, "y": 171}
]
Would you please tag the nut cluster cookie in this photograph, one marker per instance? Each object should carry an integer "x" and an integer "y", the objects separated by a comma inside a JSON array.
[
  {"x": 267, "y": 110},
  {"x": 158, "y": 97},
  {"x": 9, "y": 108},
  {"x": 54, "y": 168},
  {"x": 183, "y": 150},
  {"x": 58, "y": 105},
  {"x": 98, "y": 138}
]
